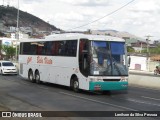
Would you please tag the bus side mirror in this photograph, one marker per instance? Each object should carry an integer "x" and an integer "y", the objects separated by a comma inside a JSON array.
[{"x": 129, "y": 61}]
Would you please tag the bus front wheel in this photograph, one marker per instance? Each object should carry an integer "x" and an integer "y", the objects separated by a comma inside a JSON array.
[
  {"x": 75, "y": 84},
  {"x": 30, "y": 76}
]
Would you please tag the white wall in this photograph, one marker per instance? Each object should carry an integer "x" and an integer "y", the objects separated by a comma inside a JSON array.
[
  {"x": 138, "y": 63},
  {"x": 7, "y": 41}
]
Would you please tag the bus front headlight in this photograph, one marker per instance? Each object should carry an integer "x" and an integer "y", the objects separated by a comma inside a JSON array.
[
  {"x": 93, "y": 79},
  {"x": 123, "y": 79}
]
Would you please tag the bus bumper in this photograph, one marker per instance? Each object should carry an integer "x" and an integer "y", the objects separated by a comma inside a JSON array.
[{"x": 101, "y": 86}]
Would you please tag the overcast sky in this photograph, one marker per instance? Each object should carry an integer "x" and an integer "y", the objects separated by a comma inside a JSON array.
[{"x": 141, "y": 17}]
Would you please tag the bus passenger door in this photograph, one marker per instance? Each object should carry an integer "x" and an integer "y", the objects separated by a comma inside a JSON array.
[{"x": 83, "y": 57}]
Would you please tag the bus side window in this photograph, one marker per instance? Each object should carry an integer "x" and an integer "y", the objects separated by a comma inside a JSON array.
[
  {"x": 39, "y": 50},
  {"x": 57, "y": 48},
  {"x": 62, "y": 52},
  {"x": 53, "y": 49},
  {"x": 60, "y": 45},
  {"x": 33, "y": 50},
  {"x": 27, "y": 48},
  {"x": 71, "y": 48}
]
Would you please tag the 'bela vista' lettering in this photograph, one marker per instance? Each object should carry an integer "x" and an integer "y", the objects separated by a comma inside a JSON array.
[
  {"x": 29, "y": 59},
  {"x": 39, "y": 59},
  {"x": 46, "y": 60}
]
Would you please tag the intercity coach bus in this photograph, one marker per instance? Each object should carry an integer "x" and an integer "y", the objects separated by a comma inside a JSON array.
[{"x": 80, "y": 61}]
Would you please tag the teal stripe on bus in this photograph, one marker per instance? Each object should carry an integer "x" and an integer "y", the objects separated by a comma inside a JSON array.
[{"x": 109, "y": 85}]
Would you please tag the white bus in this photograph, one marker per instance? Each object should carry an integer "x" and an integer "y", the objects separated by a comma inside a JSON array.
[{"x": 80, "y": 61}]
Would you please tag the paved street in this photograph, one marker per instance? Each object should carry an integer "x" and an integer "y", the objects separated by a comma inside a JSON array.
[{"x": 18, "y": 94}]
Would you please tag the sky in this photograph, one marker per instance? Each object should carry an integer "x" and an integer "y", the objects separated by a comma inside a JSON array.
[{"x": 140, "y": 17}]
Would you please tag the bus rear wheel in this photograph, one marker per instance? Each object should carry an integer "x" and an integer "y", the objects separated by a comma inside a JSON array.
[
  {"x": 75, "y": 84},
  {"x": 37, "y": 77},
  {"x": 30, "y": 76}
]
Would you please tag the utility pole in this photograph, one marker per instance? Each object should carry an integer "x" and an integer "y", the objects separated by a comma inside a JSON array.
[
  {"x": 17, "y": 32},
  {"x": 148, "y": 53},
  {"x": 147, "y": 40},
  {"x": 8, "y": 3}
]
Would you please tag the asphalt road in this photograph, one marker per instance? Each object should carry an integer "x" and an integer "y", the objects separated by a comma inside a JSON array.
[
  {"x": 150, "y": 74},
  {"x": 17, "y": 94}
]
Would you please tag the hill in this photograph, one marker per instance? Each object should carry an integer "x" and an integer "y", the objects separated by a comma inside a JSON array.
[
  {"x": 8, "y": 17},
  {"x": 130, "y": 38},
  {"x": 116, "y": 33}
]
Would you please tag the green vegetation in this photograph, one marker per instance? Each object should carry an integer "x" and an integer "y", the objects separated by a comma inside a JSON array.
[
  {"x": 9, "y": 51},
  {"x": 130, "y": 49},
  {"x": 153, "y": 50}
]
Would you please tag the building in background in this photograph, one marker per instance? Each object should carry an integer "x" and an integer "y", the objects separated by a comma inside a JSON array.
[{"x": 138, "y": 62}]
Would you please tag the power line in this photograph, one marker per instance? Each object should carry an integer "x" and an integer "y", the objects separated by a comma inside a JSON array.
[{"x": 104, "y": 16}]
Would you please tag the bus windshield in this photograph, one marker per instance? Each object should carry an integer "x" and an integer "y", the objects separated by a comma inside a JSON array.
[{"x": 107, "y": 58}]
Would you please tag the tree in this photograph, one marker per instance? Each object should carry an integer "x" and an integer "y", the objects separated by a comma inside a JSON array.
[
  {"x": 155, "y": 50},
  {"x": 130, "y": 49},
  {"x": 8, "y": 50},
  {"x": 2, "y": 34}
]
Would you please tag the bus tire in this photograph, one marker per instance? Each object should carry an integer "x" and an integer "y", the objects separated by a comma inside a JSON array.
[
  {"x": 75, "y": 84},
  {"x": 37, "y": 77},
  {"x": 30, "y": 76}
]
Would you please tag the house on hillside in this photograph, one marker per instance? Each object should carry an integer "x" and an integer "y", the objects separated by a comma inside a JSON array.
[
  {"x": 26, "y": 30},
  {"x": 1, "y": 25},
  {"x": 141, "y": 45}
]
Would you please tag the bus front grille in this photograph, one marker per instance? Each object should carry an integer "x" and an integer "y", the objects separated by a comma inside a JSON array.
[{"x": 111, "y": 79}]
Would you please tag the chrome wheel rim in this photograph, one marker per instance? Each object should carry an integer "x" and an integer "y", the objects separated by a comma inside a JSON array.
[
  {"x": 75, "y": 85},
  {"x": 37, "y": 77},
  {"x": 30, "y": 76}
]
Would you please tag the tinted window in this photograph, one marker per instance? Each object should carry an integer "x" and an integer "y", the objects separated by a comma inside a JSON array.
[
  {"x": 28, "y": 48},
  {"x": 45, "y": 48},
  {"x": 33, "y": 49},
  {"x": 25, "y": 48},
  {"x": 7, "y": 64},
  {"x": 58, "y": 48},
  {"x": 40, "y": 48},
  {"x": 67, "y": 48}
]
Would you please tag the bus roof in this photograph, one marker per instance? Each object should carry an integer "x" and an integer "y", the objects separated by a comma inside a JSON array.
[{"x": 74, "y": 36}]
